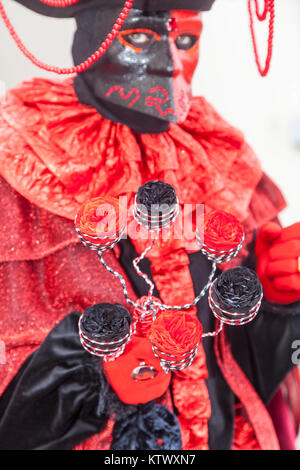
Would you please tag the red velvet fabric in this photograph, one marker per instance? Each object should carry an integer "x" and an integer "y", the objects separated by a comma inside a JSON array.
[
  {"x": 244, "y": 435},
  {"x": 57, "y": 153},
  {"x": 283, "y": 421}
]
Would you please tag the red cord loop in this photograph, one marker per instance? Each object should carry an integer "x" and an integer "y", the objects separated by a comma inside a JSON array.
[
  {"x": 89, "y": 61},
  {"x": 269, "y": 8},
  {"x": 261, "y": 16}
]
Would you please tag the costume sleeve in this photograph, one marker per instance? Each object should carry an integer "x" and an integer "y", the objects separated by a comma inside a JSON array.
[{"x": 52, "y": 403}]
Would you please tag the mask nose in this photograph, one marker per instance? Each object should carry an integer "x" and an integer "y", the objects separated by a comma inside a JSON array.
[
  {"x": 162, "y": 69},
  {"x": 162, "y": 62},
  {"x": 177, "y": 63}
]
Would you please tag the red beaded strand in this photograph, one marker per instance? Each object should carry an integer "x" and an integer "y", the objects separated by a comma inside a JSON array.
[
  {"x": 89, "y": 61},
  {"x": 59, "y": 3},
  {"x": 269, "y": 7}
]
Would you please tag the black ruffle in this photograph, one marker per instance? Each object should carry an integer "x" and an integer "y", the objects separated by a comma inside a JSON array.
[{"x": 151, "y": 427}]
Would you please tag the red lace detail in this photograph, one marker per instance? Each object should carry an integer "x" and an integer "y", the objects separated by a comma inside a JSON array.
[
  {"x": 84, "y": 65},
  {"x": 269, "y": 7}
]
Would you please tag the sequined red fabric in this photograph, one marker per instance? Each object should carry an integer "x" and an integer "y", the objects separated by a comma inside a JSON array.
[
  {"x": 57, "y": 153},
  {"x": 45, "y": 273}
]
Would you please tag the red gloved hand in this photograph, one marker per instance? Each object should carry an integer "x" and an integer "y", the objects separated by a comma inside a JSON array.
[{"x": 277, "y": 252}]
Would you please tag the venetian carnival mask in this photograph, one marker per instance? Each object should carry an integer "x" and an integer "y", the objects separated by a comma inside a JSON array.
[
  {"x": 150, "y": 65},
  {"x": 144, "y": 78}
]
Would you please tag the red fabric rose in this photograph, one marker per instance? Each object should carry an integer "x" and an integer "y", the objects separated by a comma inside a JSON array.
[
  {"x": 175, "y": 333},
  {"x": 100, "y": 217},
  {"x": 222, "y": 231}
]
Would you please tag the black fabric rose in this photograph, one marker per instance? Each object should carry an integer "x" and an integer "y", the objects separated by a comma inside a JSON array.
[
  {"x": 156, "y": 193},
  {"x": 106, "y": 322},
  {"x": 151, "y": 427},
  {"x": 237, "y": 290}
]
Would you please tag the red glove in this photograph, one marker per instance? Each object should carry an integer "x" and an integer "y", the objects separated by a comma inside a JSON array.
[{"x": 277, "y": 252}]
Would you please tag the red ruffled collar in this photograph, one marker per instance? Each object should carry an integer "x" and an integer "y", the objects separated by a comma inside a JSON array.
[{"x": 67, "y": 153}]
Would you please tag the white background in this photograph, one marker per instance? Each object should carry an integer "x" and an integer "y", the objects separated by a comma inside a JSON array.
[{"x": 266, "y": 109}]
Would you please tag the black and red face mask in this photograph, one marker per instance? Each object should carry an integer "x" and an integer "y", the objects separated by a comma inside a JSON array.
[{"x": 144, "y": 79}]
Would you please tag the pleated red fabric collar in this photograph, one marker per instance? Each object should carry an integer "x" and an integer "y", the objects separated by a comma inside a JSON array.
[
  {"x": 57, "y": 153},
  {"x": 66, "y": 153}
]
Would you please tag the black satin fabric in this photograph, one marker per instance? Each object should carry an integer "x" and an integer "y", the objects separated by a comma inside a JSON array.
[
  {"x": 60, "y": 397},
  {"x": 151, "y": 427},
  {"x": 53, "y": 401}
]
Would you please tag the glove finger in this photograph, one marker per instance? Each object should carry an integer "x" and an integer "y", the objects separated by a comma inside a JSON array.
[
  {"x": 288, "y": 283},
  {"x": 282, "y": 267},
  {"x": 290, "y": 233},
  {"x": 286, "y": 250},
  {"x": 267, "y": 234}
]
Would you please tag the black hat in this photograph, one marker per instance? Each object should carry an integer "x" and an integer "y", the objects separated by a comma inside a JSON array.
[{"x": 146, "y": 5}]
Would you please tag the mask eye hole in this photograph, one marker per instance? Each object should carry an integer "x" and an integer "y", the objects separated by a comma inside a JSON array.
[
  {"x": 138, "y": 39},
  {"x": 185, "y": 42}
]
